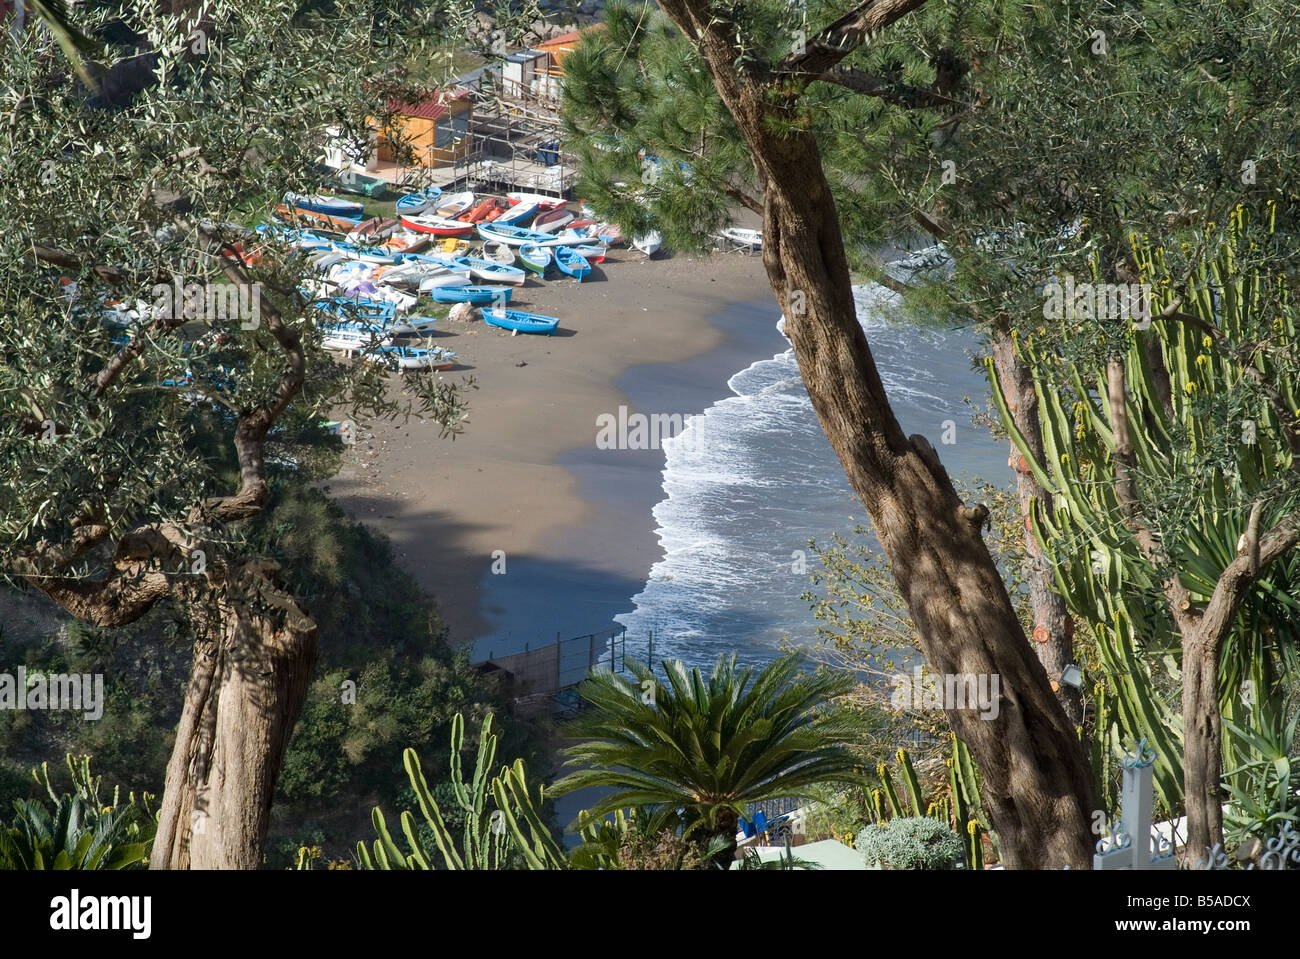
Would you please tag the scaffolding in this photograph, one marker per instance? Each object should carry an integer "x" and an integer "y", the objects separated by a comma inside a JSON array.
[{"x": 515, "y": 144}]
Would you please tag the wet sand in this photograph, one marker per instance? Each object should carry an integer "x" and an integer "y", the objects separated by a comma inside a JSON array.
[{"x": 502, "y": 490}]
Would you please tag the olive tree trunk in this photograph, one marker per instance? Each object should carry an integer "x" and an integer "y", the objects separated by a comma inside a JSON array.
[{"x": 246, "y": 691}]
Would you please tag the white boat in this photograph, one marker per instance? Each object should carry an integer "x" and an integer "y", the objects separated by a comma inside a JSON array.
[
  {"x": 648, "y": 243},
  {"x": 541, "y": 201},
  {"x": 751, "y": 239},
  {"x": 550, "y": 222},
  {"x": 448, "y": 278},
  {"x": 498, "y": 252},
  {"x": 455, "y": 204},
  {"x": 490, "y": 271},
  {"x": 517, "y": 214},
  {"x": 349, "y": 337}
]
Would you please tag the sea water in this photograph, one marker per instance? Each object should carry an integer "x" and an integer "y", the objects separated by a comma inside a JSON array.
[{"x": 752, "y": 478}]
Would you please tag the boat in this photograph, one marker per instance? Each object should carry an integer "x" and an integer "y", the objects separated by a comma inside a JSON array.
[
  {"x": 520, "y": 322},
  {"x": 366, "y": 254},
  {"x": 487, "y": 211},
  {"x": 296, "y": 215},
  {"x": 349, "y": 337},
  {"x": 608, "y": 232},
  {"x": 490, "y": 271},
  {"x": 413, "y": 203},
  {"x": 570, "y": 261},
  {"x": 375, "y": 228},
  {"x": 436, "y": 281},
  {"x": 593, "y": 253},
  {"x": 535, "y": 258},
  {"x": 498, "y": 252},
  {"x": 751, "y": 239},
  {"x": 414, "y": 326},
  {"x": 356, "y": 310},
  {"x": 353, "y": 181},
  {"x": 416, "y": 357},
  {"x": 648, "y": 243},
  {"x": 328, "y": 205},
  {"x": 541, "y": 202},
  {"x": 497, "y": 295},
  {"x": 552, "y": 220},
  {"x": 518, "y": 215},
  {"x": 455, "y": 204},
  {"x": 518, "y": 236},
  {"x": 437, "y": 225},
  {"x": 511, "y": 235}
]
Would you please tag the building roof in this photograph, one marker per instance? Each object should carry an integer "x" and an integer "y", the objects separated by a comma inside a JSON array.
[
  {"x": 563, "y": 40},
  {"x": 432, "y": 107}
]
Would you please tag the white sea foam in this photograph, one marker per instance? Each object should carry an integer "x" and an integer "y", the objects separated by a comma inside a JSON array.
[{"x": 741, "y": 505}]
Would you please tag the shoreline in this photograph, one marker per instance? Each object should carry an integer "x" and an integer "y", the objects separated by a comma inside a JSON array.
[{"x": 497, "y": 521}]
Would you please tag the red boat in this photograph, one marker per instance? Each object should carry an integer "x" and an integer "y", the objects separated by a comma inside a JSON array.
[{"x": 438, "y": 225}]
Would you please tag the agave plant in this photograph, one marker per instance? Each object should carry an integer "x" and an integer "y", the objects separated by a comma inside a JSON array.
[
  {"x": 1263, "y": 790},
  {"x": 710, "y": 747},
  {"x": 81, "y": 831}
]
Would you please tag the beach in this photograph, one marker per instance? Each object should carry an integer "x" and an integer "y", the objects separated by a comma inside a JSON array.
[{"x": 474, "y": 519}]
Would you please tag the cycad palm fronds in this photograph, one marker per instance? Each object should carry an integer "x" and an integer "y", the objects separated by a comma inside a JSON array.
[{"x": 709, "y": 746}]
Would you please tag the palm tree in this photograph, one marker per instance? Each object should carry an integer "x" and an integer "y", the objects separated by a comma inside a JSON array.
[{"x": 710, "y": 748}]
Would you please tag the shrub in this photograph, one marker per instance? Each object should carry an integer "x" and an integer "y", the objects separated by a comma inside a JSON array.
[{"x": 915, "y": 842}]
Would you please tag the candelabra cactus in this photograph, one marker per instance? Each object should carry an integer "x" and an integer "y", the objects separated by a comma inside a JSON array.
[
  {"x": 502, "y": 817},
  {"x": 1209, "y": 422}
]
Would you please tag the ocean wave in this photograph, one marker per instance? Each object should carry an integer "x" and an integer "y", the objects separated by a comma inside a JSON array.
[{"x": 757, "y": 479}]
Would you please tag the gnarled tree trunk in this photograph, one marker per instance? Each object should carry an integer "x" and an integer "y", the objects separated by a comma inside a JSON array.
[{"x": 247, "y": 687}]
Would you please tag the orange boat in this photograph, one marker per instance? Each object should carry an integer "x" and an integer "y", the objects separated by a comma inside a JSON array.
[{"x": 485, "y": 212}]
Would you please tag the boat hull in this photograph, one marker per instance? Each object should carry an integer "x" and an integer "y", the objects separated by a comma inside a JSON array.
[
  {"x": 438, "y": 226},
  {"x": 499, "y": 295},
  {"x": 520, "y": 322}
]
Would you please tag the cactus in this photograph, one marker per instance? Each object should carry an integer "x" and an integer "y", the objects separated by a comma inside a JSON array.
[
  {"x": 1099, "y": 569},
  {"x": 959, "y": 807},
  {"x": 502, "y": 817},
  {"x": 912, "y": 784},
  {"x": 974, "y": 845},
  {"x": 891, "y": 794}
]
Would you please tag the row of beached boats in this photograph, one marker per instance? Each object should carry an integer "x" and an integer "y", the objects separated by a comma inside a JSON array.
[{"x": 377, "y": 272}]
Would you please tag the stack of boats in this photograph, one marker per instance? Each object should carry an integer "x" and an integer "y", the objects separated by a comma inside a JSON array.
[{"x": 380, "y": 268}]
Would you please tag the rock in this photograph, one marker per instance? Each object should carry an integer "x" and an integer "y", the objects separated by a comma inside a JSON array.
[
  {"x": 463, "y": 312},
  {"x": 521, "y": 363}
]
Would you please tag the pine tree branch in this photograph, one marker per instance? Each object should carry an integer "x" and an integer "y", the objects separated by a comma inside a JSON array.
[
  {"x": 896, "y": 94},
  {"x": 845, "y": 35}
]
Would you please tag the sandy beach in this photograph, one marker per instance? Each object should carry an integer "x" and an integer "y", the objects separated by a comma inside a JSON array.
[{"x": 450, "y": 506}]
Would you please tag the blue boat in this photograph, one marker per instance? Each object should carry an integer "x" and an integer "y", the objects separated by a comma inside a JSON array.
[
  {"x": 499, "y": 295},
  {"x": 512, "y": 235},
  {"x": 490, "y": 271},
  {"x": 572, "y": 262},
  {"x": 520, "y": 322},
  {"x": 535, "y": 258},
  {"x": 418, "y": 202},
  {"x": 328, "y": 205},
  {"x": 360, "y": 309}
]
